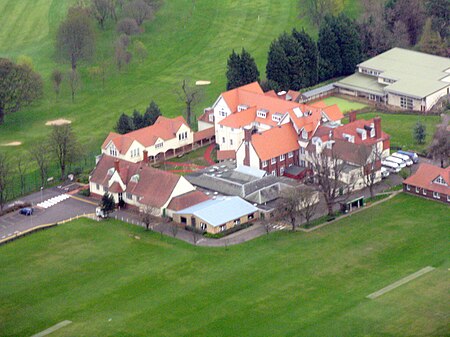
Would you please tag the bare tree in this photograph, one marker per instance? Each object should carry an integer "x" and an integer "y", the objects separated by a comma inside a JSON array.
[
  {"x": 147, "y": 216},
  {"x": 102, "y": 9},
  {"x": 329, "y": 170},
  {"x": 266, "y": 223},
  {"x": 40, "y": 153},
  {"x": 128, "y": 26},
  {"x": 122, "y": 55},
  {"x": 4, "y": 179},
  {"x": 21, "y": 169},
  {"x": 64, "y": 145},
  {"x": 370, "y": 158},
  {"x": 309, "y": 201},
  {"x": 174, "y": 229},
  {"x": 75, "y": 37},
  {"x": 289, "y": 205},
  {"x": 190, "y": 96},
  {"x": 74, "y": 82},
  {"x": 195, "y": 236},
  {"x": 57, "y": 78},
  {"x": 138, "y": 10},
  {"x": 440, "y": 145}
]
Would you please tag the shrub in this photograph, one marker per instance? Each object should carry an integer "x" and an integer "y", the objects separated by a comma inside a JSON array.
[
  {"x": 404, "y": 173},
  {"x": 86, "y": 192}
]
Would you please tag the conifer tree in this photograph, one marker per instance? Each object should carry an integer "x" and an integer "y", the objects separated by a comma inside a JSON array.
[
  {"x": 124, "y": 124},
  {"x": 277, "y": 65},
  {"x": 241, "y": 69},
  {"x": 151, "y": 114}
]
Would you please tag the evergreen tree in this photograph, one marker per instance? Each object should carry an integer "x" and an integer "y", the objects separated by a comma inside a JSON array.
[
  {"x": 107, "y": 204},
  {"x": 277, "y": 65},
  {"x": 296, "y": 55},
  {"x": 138, "y": 120},
  {"x": 124, "y": 124},
  {"x": 151, "y": 114},
  {"x": 327, "y": 44},
  {"x": 241, "y": 70},
  {"x": 310, "y": 71},
  {"x": 419, "y": 132},
  {"x": 349, "y": 43}
]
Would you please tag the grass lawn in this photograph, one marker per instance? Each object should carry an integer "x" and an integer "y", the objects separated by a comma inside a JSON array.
[
  {"x": 400, "y": 127},
  {"x": 108, "y": 283},
  {"x": 344, "y": 104}
]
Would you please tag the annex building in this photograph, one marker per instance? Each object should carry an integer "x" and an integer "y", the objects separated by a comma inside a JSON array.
[{"x": 402, "y": 78}]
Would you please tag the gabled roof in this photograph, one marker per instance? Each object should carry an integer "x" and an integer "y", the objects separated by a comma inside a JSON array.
[
  {"x": 187, "y": 200},
  {"x": 219, "y": 211},
  {"x": 164, "y": 128},
  {"x": 239, "y": 119},
  {"x": 275, "y": 142},
  {"x": 350, "y": 129},
  {"x": 206, "y": 133},
  {"x": 333, "y": 112},
  {"x": 153, "y": 186},
  {"x": 426, "y": 174}
]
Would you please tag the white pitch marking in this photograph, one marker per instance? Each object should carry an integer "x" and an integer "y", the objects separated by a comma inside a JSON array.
[{"x": 52, "y": 329}]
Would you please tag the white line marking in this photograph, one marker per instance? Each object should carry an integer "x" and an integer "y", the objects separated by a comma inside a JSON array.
[
  {"x": 52, "y": 328},
  {"x": 400, "y": 282}
]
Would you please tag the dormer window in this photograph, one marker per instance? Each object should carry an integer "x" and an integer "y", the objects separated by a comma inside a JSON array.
[
  {"x": 111, "y": 171},
  {"x": 304, "y": 134},
  {"x": 135, "y": 178},
  {"x": 362, "y": 133},
  {"x": 439, "y": 180},
  {"x": 276, "y": 117},
  {"x": 330, "y": 145},
  {"x": 261, "y": 113},
  {"x": 349, "y": 138},
  {"x": 242, "y": 107}
]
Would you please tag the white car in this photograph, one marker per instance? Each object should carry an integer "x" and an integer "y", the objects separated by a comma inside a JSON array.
[
  {"x": 404, "y": 157},
  {"x": 396, "y": 160},
  {"x": 391, "y": 166},
  {"x": 384, "y": 172}
]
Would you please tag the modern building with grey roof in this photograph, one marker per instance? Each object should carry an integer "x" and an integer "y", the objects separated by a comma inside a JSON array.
[
  {"x": 399, "y": 77},
  {"x": 217, "y": 215}
]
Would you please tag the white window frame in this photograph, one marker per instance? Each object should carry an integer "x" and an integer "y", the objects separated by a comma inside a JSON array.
[
  {"x": 408, "y": 188},
  {"x": 282, "y": 157},
  {"x": 281, "y": 170},
  {"x": 291, "y": 154},
  {"x": 273, "y": 160},
  {"x": 436, "y": 195},
  {"x": 424, "y": 191},
  {"x": 264, "y": 163},
  {"x": 274, "y": 173},
  {"x": 417, "y": 189}
]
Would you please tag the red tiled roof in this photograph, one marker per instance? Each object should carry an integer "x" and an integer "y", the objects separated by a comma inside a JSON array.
[
  {"x": 205, "y": 116},
  {"x": 271, "y": 93},
  {"x": 115, "y": 188},
  {"x": 333, "y": 112},
  {"x": 294, "y": 94},
  {"x": 187, "y": 200},
  {"x": 319, "y": 104},
  {"x": 425, "y": 175},
  {"x": 207, "y": 133},
  {"x": 350, "y": 129},
  {"x": 226, "y": 154},
  {"x": 153, "y": 186},
  {"x": 275, "y": 142},
  {"x": 164, "y": 128},
  {"x": 239, "y": 119}
]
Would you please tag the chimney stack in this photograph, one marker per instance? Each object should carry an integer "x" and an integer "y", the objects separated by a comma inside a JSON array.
[
  {"x": 116, "y": 165},
  {"x": 247, "y": 139},
  {"x": 377, "y": 122},
  {"x": 352, "y": 116},
  {"x": 145, "y": 160}
]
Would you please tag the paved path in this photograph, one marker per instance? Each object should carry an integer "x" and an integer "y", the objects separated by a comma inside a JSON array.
[
  {"x": 400, "y": 282},
  {"x": 207, "y": 155}
]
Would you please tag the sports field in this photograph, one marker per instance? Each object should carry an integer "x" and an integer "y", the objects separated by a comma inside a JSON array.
[
  {"x": 108, "y": 283},
  {"x": 343, "y": 104}
]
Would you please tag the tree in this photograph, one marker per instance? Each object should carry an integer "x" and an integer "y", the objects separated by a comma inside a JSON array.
[
  {"x": 190, "y": 96},
  {"x": 74, "y": 82},
  {"x": 309, "y": 201},
  {"x": 107, "y": 204},
  {"x": 21, "y": 169},
  {"x": 101, "y": 10},
  {"x": 370, "y": 158},
  {"x": 57, "y": 78},
  {"x": 139, "y": 10},
  {"x": 277, "y": 65},
  {"x": 420, "y": 132},
  {"x": 318, "y": 9},
  {"x": 128, "y": 26},
  {"x": 288, "y": 205},
  {"x": 310, "y": 57},
  {"x": 64, "y": 145},
  {"x": 140, "y": 50},
  {"x": 40, "y": 153},
  {"x": 147, "y": 216},
  {"x": 440, "y": 146},
  {"x": 330, "y": 63},
  {"x": 410, "y": 12},
  {"x": 439, "y": 12},
  {"x": 122, "y": 55},
  {"x": 241, "y": 69},
  {"x": 151, "y": 114},
  {"x": 431, "y": 42},
  {"x": 328, "y": 170},
  {"x": 267, "y": 85},
  {"x": 19, "y": 86},
  {"x": 4, "y": 179},
  {"x": 174, "y": 229},
  {"x": 349, "y": 43},
  {"x": 124, "y": 124},
  {"x": 75, "y": 37},
  {"x": 138, "y": 120}
]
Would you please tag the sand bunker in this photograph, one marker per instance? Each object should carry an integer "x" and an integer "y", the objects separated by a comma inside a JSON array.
[
  {"x": 60, "y": 121},
  {"x": 12, "y": 144},
  {"x": 202, "y": 82}
]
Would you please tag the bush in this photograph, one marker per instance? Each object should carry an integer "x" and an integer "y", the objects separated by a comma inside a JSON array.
[
  {"x": 85, "y": 193},
  {"x": 404, "y": 173},
  {"x": 83, "y": 178}
]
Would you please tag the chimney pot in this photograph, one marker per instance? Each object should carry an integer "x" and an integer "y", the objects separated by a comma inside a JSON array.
[{"x": 352, "y": 116}]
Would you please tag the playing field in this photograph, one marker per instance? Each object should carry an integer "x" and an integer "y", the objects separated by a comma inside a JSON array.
[
  {"x": 109, "y": 283},
  {"x": 343, "y": 104}
]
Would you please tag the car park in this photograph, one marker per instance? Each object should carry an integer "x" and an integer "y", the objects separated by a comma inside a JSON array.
[
  {"x": 384, "y": 172},
  {"x": 414, "y": 157},
  {"x": 391, "y": 166},
  {"x": 404, "y": 157},
  {"x": 398, "y": 161}
]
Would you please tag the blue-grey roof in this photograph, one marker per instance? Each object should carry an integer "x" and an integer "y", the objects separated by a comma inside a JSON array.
[
  {"x": 218, "y": 211},
  {"x": 250, "y": 171},
  {"x": 318, "y": 90}
]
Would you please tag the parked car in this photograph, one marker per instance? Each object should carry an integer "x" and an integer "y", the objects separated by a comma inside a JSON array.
[
  {"x": 26, "y": 211},
  {"x": 391, "y": 166},
  {"x": 414, "y": 157},
  {"x": 384, "y": 172},
  {"x": 404, "y": 157},
  {"x": 398, "y": 161}
]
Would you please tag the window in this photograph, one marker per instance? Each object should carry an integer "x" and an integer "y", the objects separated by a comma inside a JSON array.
[
  {"x": 406, "y": 102},
  {"x": 439, "y": 180},
  {"x": 304, "y": 134},
  {"x": 129, "y": 196},
  {"x": 281, "y": 170},
  {"x": 282, "y": 157},
  {"x": 290, "y": 154},
  {"x": 251, "y": 216},
  {"x": 424, "y": 192},
  {"x": 302, "y": 163},
  {"x": 222, "y": 228},
  {"x": 264, "y": 163},
  {"x": 237, "y": 222},
  {"x": 436, "y": 195},
  {"x": 273, "y": 160},
  {"x": 302, "y": 150},
  {"x": 113, "y": 151},
  {"x": 221, "y": 126},
  {"x": 159, "y": 145},
  {"x": 408, "y": 188},
  {"x": 372, "y": 97},
  {"x": 223, "y": 140},
  {"x": 448, "y": 198},
  {"x": 274, "y": 173},
  {"x": 222, "y": 113},
  {"x": 417, "y": 190},
  {"x": 231, "y": 141},
  {"x": 105, "y": 189},
  {"x": 203, "y": 226},
  {"x": 97, "y": 186}
]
